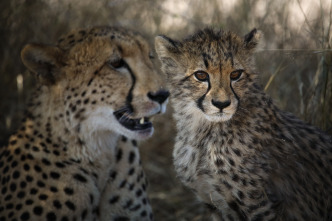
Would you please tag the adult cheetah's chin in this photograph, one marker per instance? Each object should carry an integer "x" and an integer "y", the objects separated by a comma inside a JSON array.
[{"x": 137, "y": 134}]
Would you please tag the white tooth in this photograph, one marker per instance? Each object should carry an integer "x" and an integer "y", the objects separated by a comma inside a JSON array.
[{"x": 142, "y": 120}]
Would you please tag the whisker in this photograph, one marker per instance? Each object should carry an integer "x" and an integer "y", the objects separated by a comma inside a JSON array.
[
  {"x": 125, "y": 108},
  {"x": 126, "y": 113},
  {"x": 125, "y": 116}
]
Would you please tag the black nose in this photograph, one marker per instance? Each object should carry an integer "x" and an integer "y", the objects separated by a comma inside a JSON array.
[
  {"x": 221, "y": 105},
  {"x": 159, "y": 96}
]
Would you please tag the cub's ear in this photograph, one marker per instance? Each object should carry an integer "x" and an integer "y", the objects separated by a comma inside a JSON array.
[
  {"x": 44, "y": 61},
  {"x": 166, "y": 47},
  {"x": 251, "y": 39}
]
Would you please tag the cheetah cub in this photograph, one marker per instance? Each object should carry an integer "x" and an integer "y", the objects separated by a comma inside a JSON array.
[{"x": 242, "y": 156}]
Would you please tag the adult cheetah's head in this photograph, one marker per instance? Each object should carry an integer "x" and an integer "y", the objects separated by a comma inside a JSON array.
[
  {"x": 209, "y": 72},
  {"x": 104, "y": 79}
]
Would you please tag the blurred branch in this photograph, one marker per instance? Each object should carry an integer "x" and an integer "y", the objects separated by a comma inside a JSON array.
[
  {"x": 279, "y": 69},
  {"x": 328, "y": 37},
  {"x": 305, "y": 17}
]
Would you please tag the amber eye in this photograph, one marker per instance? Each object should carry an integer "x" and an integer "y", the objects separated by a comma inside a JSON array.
[
  {"x": 201, "y": 76},
  {"x": 235, "y": 75},
  {"x": 119, "y": 63}
]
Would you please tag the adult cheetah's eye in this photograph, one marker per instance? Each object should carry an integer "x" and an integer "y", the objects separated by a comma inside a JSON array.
[
  {"x": 119, "y": 63},
  {"x": 201, "y": 76},
  {"x": 235, "y": 75}
]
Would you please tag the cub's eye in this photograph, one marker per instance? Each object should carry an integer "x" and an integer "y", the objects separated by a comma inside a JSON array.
[
  {"x": 119, "y": 63},
  {"x": 151, "y": 56},
  {"x": 201, "y": 76},
  {"x": 235, "y": 75}
]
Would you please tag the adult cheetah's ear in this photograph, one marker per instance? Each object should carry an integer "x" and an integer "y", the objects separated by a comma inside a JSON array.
[
  {"x": 44, "y": 61},
  {"x": 252, "y": 38}
]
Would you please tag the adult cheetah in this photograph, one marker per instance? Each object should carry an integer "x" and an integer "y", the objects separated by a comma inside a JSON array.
[
  {"x": 75, "y": 157},
  {"x": 243, "y": 157}
]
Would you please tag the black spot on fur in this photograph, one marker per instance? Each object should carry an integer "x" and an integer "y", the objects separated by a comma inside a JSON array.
[
  {"x": 55, "y": 175},
  {"x": 233, "y": 205},
  {"x": 132, "y": 156},
  {"x": 25, "y": 216},
  {"x": 123, "y": 183},
  {"x": 70, "y": 205},
  {"x": 114, "y": 199},
  {"x": 50, "y": 216},
  {"x": 38, "y": 210},
  {"x": 80, "y": 178},
  {"x": 68, "y": 191},
  {"x": 119, "y": 155}
]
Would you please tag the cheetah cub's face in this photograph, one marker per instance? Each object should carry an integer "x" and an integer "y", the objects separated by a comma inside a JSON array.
[
  {"x": 103, "y": 80},
  {"x": 208, "y": 72}
]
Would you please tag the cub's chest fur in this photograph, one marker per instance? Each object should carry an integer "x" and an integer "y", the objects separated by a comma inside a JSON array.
[{"x": 209, "y": 154}]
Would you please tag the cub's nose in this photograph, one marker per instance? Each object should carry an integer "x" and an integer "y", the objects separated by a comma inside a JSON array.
[
  {"x": 159, "y": 96},
  {"x": 221, "y": 105}
]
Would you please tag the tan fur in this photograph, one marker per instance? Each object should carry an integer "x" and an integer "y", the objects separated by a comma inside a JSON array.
[
  {"x": 240, "y": 154},
  {"x": 72, "y": 158}
]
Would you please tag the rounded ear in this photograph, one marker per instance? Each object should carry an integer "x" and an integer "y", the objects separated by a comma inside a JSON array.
[
  {"x": 169, "y": 53},
  {"x": 252, "y": 38},
  {"x": 44, "y": 61},
  {"x": 166, "y": 47}
]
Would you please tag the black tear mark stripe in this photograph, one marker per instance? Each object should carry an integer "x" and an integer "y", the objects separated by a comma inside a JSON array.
[
  {"x": 200, "y": 100},
  {"x": 95, "y": 73},
  {"x": 237, "y": 97},
  {"x": 129, "y": 97}
]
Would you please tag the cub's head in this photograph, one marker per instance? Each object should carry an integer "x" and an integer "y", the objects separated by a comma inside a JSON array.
[
  {"x": 209, "y": 72},
  {"x": 100, "y": 79}
]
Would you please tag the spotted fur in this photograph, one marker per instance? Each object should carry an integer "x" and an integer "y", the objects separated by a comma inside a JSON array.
[
  {"x": 75, "y": 157},
  {"x": 241, "y": 155}
]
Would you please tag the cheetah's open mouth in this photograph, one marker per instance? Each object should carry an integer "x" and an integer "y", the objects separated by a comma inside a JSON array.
[{"x": 132, "y": 124}]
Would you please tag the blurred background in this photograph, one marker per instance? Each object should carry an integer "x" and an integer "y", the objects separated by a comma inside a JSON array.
[{"x": 294, "y": 60}]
